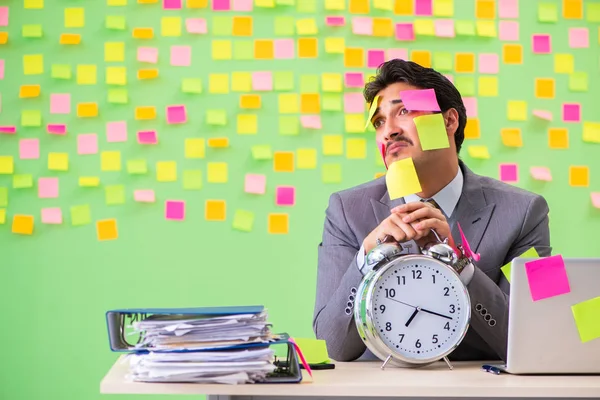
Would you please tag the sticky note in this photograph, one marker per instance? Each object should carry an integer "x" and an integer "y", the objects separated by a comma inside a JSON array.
[
  {"x": 60, "y": 71},
  {"x": 118, "y": 96},
  {"x": 541, "y": 173},
  {"x": 478, "y": 151},
  {"x": 116, "y": 22},
  {"x": 33, "y": 4},
  {"x": 110, "y": 161},
  {"x": 511, "y": 137},
  {"x": 48, "y": 188},
  {"x": 509, "y": 173},
  {"x": 591, "y": 132},
  {"x": 218, "y": 83},
  {"x": 116, "y": 76},
  {"x": 22, "y": 224},
  {"x": 314, "y": 350},
  {"x": 150, "y": 73},
  {"x": 89, "y": 181},
  {"x": 283, "y": 161},
  {"x": 547, "y": 277},
  {"x": 261, "y": 152},
  {"x": 506, "y": 269},
  {"x": 29, "y": 149},
  {"x": 87, "y": 110},
  {"x": 191, "y": 85},
  {"x": 57, "y": 129},
  {"x": 142, "y": 33},
  {"x": 70, "y": 38},
  {"x": 571, "y": 112},
  {"x": 216, "y": 117},
  {"x": 33, "y": 64},
  {"x": 243, "y": 220},
  {"x": 420, "y": 100},
  {"x": 114, "y": 194},
  {"x": 564, "y": 64},
  {"x": 306, "y": 158},
  {"x": 508, "y": 31},
  {"x": 114, "y": 51},
  {"x": 215, "y": 210},
  {"x": 544, "y": 88},
  {"x": 58, "y": 161},
  {"x": 578, "y": 81},
  {"x": 81, "y": 215},
  {"x": 311, "y": 121},
  {"x": 573, "y": 9},
  {"x": 181, "y": 56},
  {"x": 579, "y": 176},
  {"x": 74, "y": 17},
  {"x": 402, "y": 179},
  {"x": 541, "y": 43},
  {"x": 3, "y": 197},
  {"x": 147, "y": 54},
  {"x": 86, "y": 74},
  {"x": 147, "y": 137},
  {"x": 558, "y": 138},
  {"x": 285, "y": 195},
  {"x": 547, "y": 12},
  {"x": 192, "y": 179},
  {"x": 255, "y": 183},
  {"x": 586, "y": 318},
  {"x": 31, "y": 118},
  {"x": 516, "y": 110},
  {"x": 170, "y": 26},
  {"x": 488, "y": 86},
  {"x": 145, "y": 112},
  {"x": 194, "y": 148},
  {"x": 166, "y": 171},
  {"x": 432, "y": 131},
  {"x": 176, "y": 114},
  {"x": 144, "y": 196},
  {"x": 247, "y": 124},
  {"x": 488, "y": 63},
  {"x": 250, "y": 101},
  {"x": 106, "y": 229},
  {"x": 172, "y": 4},
  {"x": 116, "y": 131},
  {"x": 278, "y": 223},
  {"x": 217, "y": 172},
  {"x": 333, "y": 145},
  {"x": 595, "y": 197},
  {"x": 22, "y": 181},
  {"x": 32, "y": 31},
  {"x": 51, "y": 216},
  {"x": 465, "y": 28},
  {"x": 175, "y": 210},
  {"x": 137, "y": 167}
]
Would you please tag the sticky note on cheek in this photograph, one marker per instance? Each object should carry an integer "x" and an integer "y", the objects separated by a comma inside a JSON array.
[
  {"x": 432, "y": 131},
  {"x": 547, "y": 277},
  {"x": 401, "y": 179}
]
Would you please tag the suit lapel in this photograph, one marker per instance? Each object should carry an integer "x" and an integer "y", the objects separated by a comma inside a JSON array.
[{"x": 382, "y": 207}]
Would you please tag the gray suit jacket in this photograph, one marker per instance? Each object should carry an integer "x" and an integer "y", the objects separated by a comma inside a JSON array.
[{"x": 500, "y": 222}]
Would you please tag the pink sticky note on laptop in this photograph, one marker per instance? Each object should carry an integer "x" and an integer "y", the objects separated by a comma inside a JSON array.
[
  {"x": 87, "y": 143},
  {"x": 51, "y": 216},
  {"x": 29, "y": 149},
  {"x": 547, "y": 277},
  {"x": 47, "y": 188},
  {"x": 175, "y": 210},
  {"x": 147, "y": 137},
  {"x": 255, "y": 183},
  {"x": 176, "y": 114},
  {"x": 144, "y": 196},
  {"x": 420, "y": 100}
]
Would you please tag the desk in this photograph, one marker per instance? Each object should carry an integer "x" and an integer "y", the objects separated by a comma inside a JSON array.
[{"x": 367, "y": 380}]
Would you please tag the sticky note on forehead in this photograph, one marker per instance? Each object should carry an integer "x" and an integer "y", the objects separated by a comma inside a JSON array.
[
  {"x": 372, "y": 109},
  {"x": 401, "y": 179},
  {"x": 419, "y": 100}
]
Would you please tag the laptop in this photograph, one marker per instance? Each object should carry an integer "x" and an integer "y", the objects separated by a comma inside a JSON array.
[{"x": 542, "y": 335}]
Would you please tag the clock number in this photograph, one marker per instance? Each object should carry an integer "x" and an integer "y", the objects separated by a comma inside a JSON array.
[
  {"x": 401, "y": 337},
  {"x": 390, "y": 293},
  {"x": 388, "y": 326},
  {"x": 446, "y": 291},
  {"x": 434, "y": 339},
  {"x": 452, "y": 309},
  {"x": 447, "y": 326},
  {"x": 416, "y": 274},
  {"x": 418, "y": 344},
  {"x": 401, "y": 280},
  {"x": 433, "y": 277},
  {"x": 382, "y": 308}
]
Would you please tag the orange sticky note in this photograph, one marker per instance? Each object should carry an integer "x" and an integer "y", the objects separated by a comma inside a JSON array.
[
  {"x": 402, "y": 7},
  {"x": 147, "y": 73},
  {"x": 511, "y": 137},
  {"x": 220, "y": 142},
  {"x": 3, "y": 37},
  {"x": 579, "y": 176},
  {"x": 573, "y": 9},
  {"x": 465, "y": 62},
  {"x": 544, "y": 88},
  {"x": 283, "y": 161},
  {"x": 263, "y": 49},
  {"x": 421, "y": 57},
  {"x": 27, "y": 91},
  {"x": 22, "y": 224},
  {"x": 215, "y": 210},
  {"x": 107, "y": 229},
  {"x": 250, "y": 101},
  {"x": 87, "y": 110},
  {"x": 485, "y": 9},
  {"x": 310, "y": 103},
  {"x": 359, "y": 6},
  {"x": 558, "y": 138},
  {"x": 308, "y": 48},
  {"x": 70, "y": 38},
  {"x": 242, "y": 26},
  {"x": 148, "y": 112},
  {"x": 383, "y": 27},
  {"x": 354, "y": 57},
  {"x": 197, "y": 3},
  {"x": 512, "y": 54},
  {"x": 279, "y": 223},
  {"x": 142, "y": 33}
]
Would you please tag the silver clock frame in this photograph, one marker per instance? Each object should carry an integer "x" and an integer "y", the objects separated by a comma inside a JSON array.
[{"x": 364, "y": 315}]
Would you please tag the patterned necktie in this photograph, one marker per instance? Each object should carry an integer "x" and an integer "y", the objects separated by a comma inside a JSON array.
[{"x": 432, "y": 202}]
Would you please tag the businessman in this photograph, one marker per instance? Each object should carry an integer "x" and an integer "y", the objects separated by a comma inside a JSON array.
[{"x": 500, "y": 221}]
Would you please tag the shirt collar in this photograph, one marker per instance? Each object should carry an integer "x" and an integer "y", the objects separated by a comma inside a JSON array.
[{"x": 448, "y": 197}]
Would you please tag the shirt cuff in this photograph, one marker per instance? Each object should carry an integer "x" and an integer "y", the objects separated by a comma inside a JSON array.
[{"x": 467, "y": 274}]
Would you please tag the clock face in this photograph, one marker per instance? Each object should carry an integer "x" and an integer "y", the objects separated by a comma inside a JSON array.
[{"x": 421, "y": 310}]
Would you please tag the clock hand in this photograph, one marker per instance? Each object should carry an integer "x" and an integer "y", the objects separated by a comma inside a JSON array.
[
  {"x": 401, "y": 302},
  {"x": 434, "y": 313},
  {"x": 414, "y": 314}
]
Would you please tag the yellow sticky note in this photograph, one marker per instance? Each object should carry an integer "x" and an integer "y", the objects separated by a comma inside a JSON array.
[
  {"x": 242, "y": 25},
  {"x": 195, "y": 3},
  {"x": 564, "y": 63},
  {"x": 512, "y": 54},
  {"x": 544, "y": 88},
  {"x": 506, "y": 269},
  {"x": 478, "y": 151},
  {"x": 516, "y": 110},
  {"x": 486, "y": 28},
  {"x": 401, "y": 179},
  {"x": 86, "y": 74},
  {"x": 217, "y": 172},
  {"x": 488, "y": 86},
  {"x": 354, "y": 57},
  {"x": 241, "y": 81},
  {"x": 87, "y": 110},
  {"x": 58, "y": 161},
  {"x": 28, "y": 91},
  {"x": 218, "y": 142},
  {"x": 359, "y": 6},
  {"x": 283, "y": 161},
  {"x": 591, "y": 132},
  {"x": 485, "y": 9},
  {"x": 107, "y": 229},
  {"x": 511, "y": 137},
  {"x": 218, "y": 83},
  {"x": 586, "y": 318},
  {"x": 372, "y": 109},
  {"x": 558, "y": 138},
  {"x": 289, "y": 103},
  {"x": 74, "y": 17},
  {"x": 573, "y": 9},
  {"x": 383, "y": 27},
  {"x": 331, "y": 82},
  {"x": 116, "y": 76},
  {"x": 264, "y": 49},
  {"x": 194, "y": 148},
  {"x": 310, "y": 103},
  {"x": 110, "y": 161},
  {"x": 2, "y": 216},
  {"x": 192, "y": 179},
  {"x": 33, "y": 4},
  {"x": 148, "y": 112},
  {"x": 432, "y": 131},
  {"x": 142, "y": 33},
  {"x": 221, "y": 50},
  {"x": 354, "y": 123},
  {"x": 421, "y": 57},
  {"x": 250, "y": 101},
  {"x": 114, "y": 51},
  {"x": 314, "y": 350},
  {"x": 356, "y": 148},
  {"x": 22, "y": 224},
  {"x": 473, "y": 128},
  {"x": 116, "y": 3},
  {"x": 306, "y": 158},
  {"x": 443, "y": 8},
  {"x": 150, "y": 73},
  {"x": 424, "y": 27},
  {"x": 278, "y": 223},
  {"x": 579, "y": 176},
  {"x": 247, "y": 124},
  {"x": 465, "y": 62},
  {"x": 333, "y": 145},
  {"x": 335, "y": 5},
  {"x": 306, "y": 26},
  {"x": 308, "y": 48},
  {"x": 69, "y": 38},
  {"x": 166, "y": 171},
  {"x": 170, "y": 26},
  {"x": 215, "y": 210},
  {"x": 89, "y": 181},
  {"x": 33, "y": 64},
  {"x": 335, "y": 45},
  {"x": 7, "y": 165}
]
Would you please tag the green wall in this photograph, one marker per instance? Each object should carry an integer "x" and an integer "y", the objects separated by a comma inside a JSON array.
[{"x": 56, "y": 284}]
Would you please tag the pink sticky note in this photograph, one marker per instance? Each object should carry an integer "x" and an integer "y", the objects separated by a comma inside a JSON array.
[
  {"x": 420, "y": 100},
  {"x": 221, "y": 5},
  {"x": 144, "y": 196},
  {"x": 176, "y": 114},
  {"x": 181, "y": 56},
  {"x": 4, "y": 16},
  {"x": 508, "y": 9},
  {"x": 284, "y": 49},
  {"x": 335, "y": 21},
  {"x": 29, "y": 149},
  {"x": 375, "y": 58},
  {"x": 51, "y": 216},
  {"x": 467, "y": 248},
  {"x": 1, "y": 69},
  {"x": 57, "y": 129},
  {"x": 354, "y": 103},
  {"x": 354, "y": 79},
  {"x": 595, "y": 199},
  {"x": 255, "y": 183},
  {"x": 541, "y": 173},
  {"x": 147, "y": 54},
  {"x": 285, "y": 195},
  {"x": 400, "y": 54},
  {"x": 424, "y": 7},
  {"x": 579, "y": 38},
  {"x": 547, "y": 277},
  {"x": 172, "y": 4},
  {"x": 242, "y": 5},
  {"x": 508, "y": 31},
  {"x": 87, "y": 143},
  {"x": 175, "y": 210},
  {"x": 488, "y": 63},
  {"x": 362, "y": 26},
  {"x": 262, "y": 81},
  {"x": 381, "y": 147},
  {"x": 47, "y": 188},
  {"x": 509, "y": 173},
  {"x": 471, "y": 106},
  {"x": 311, "y": 121},
  {"x": 543, "y": 114},
  {"x": 60, "y": 103},
  {"x": 405, "y": 31},
  {"x": 8, "y": 129},
  {"x": 196, "y": 25},
  {"x": 444, "y": 28},
  {"x": 147, "y": 137},
  {"x": 571, "y": 112},
  {"x": 116, "y": 131},
  {"x": 541, "y": 44}
]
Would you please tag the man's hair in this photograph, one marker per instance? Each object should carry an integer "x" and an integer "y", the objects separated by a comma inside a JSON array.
[{"x": 447, "y": 95}]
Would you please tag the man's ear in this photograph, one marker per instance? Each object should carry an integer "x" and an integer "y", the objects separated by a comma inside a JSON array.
[{"x": 451, "y": 121}]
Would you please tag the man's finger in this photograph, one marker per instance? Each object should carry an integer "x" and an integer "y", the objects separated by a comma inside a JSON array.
[
  {"x": 408, "y": 230},
  {"x": 424, "y": 213}
]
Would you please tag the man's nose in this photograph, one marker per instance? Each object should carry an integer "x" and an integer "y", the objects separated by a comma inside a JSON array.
[{"x": 391, "y": 130}]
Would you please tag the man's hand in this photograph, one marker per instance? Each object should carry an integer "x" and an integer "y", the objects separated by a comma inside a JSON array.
[
  {"x": 392, "y": 227},
  {"x": 423, "y": 217}
]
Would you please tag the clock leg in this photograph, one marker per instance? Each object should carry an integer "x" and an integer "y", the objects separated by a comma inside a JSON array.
[
  {"x": 448, "y": 363},
  {"x": 386, "y": 361}
]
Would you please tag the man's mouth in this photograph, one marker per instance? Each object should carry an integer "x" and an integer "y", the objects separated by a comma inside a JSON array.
[{"x": 397, "y": 145}]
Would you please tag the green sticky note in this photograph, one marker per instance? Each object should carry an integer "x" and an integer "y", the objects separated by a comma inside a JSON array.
[
  {"x": 3, "y": 197},
  {"x": 547, "y": 12},
  {"x": 116, "y": 22},
  {"x": 114, "y": 194},
  {"x": 262, "y": 152},
  {"x": 192, "y": 179},
  {"x": 285, "y": 26},
  {"x": 506, "y": 269},
  {"x": 81, "y": 215},
  {"x": 22, "y": 181},
  {"x": 118, "y": 96},
  {"x": 191, "y": 85},
  {"x": 61, "y": 71},
  {"x": 586, "y": 318},
  {"x": 309, "y": 83},
  {"x": 331, "y": 102},
  {"x": 307, "y": 6},
  {"x": 216, "y": 117},
  {"x": 243, "y": 220},
  {"x": 593, "y": 12},
  {"x": 432, "y": 131},
  {"x": 283, "y": 80},
  {"x": 243, "y": 50},
  {"x": 222, "y": 26},
  {"x": 465, "y": 85},
  {"x": 32, "y": 31},
  {"x": 289, "y": 125},
  {"x": 464, "y": 28},
  {"x": 314, "y": 350},
  {"x": 442, "y": 61},
  {"x": 137, "y": 167},
  {"x": 578, "y": 82},
  {"x": 31, "y": 118},
  {"x": 331, "y": 173}
]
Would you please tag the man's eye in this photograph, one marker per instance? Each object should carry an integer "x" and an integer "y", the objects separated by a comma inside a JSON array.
[
  {"x": 377, "y": 123},
  {"x": 404, "y": 111}
]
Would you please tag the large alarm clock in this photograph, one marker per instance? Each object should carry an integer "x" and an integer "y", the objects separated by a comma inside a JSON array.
[{"x": 412, "y": 310}]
